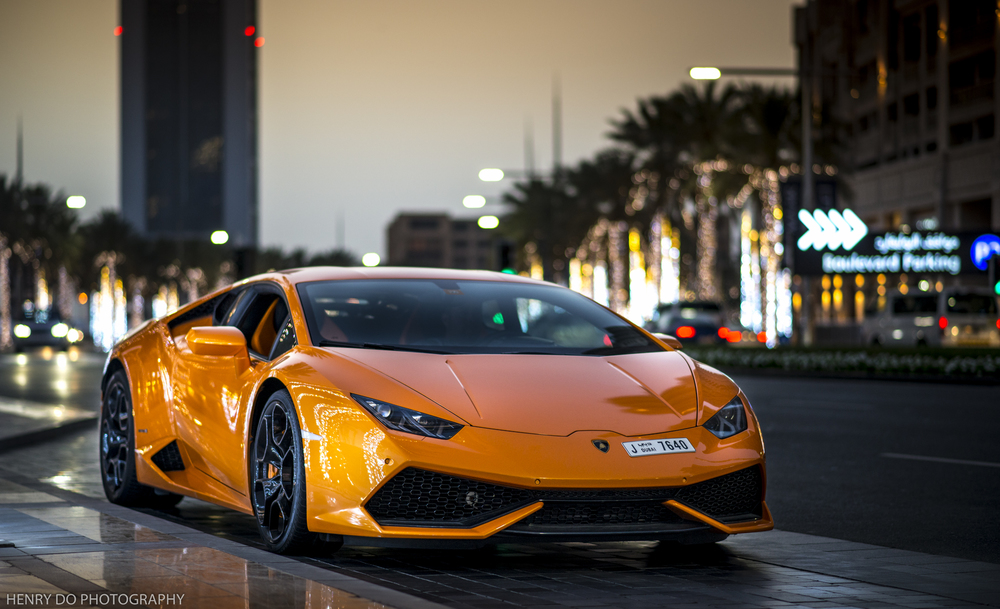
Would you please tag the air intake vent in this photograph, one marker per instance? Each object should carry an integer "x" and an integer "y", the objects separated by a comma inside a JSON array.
[
  {"x": 732, "y": 496},
  {"x": 416, "y": 497},
  {"x": 168, "y": 459}
]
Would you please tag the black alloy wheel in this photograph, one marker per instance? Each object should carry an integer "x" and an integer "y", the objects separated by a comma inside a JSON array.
[
  {"x": 278, "y": 477},
  {"x": 117, "y": 450}
]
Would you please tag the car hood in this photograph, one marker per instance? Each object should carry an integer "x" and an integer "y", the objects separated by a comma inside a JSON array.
[{"x": 637, "y": 394}]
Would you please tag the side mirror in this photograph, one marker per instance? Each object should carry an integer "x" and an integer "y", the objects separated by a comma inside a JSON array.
[
  {"x": 670, "y": 340},
  {"x": 219, "y": 341}
]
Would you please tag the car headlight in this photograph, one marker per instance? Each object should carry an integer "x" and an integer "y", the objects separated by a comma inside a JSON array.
[
  {"x": 59, "y": 330},
  {"x": 409, "y": 421},
  {"x": 729, "y": 421},
  {"x": 22, "y": 331}
]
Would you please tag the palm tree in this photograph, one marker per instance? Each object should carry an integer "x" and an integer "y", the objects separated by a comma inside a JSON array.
[
  {"x": 39, "y": 228},
  {"x": 551, "y": 217},
  {"x": 677, "y": 137}
]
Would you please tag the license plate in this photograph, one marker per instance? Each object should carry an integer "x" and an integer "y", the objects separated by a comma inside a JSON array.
[{"x": 645, "y": 448}]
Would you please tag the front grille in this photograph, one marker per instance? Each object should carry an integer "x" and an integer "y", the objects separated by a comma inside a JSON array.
[
  {"x": 735, "y": 494},
  {"x": 419, "y": 497},
  {"x": 416, "y": 497},
  {"x": 575, "y": 514}
]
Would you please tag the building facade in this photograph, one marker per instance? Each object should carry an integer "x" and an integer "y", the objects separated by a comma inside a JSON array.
[
  {"x": 912, "y": 84},
  {"x": 189, "y": 118},
  {"x": 440, "y": 241}
]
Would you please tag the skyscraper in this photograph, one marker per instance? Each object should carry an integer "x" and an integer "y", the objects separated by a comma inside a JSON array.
[{"x": 189, "y": 118}]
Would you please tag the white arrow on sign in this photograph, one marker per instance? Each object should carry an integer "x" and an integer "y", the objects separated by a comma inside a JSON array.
[{"x": 831, "y": 229}]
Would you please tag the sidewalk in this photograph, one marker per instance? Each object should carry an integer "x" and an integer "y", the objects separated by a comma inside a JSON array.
[{"x": 97, "y": 554}]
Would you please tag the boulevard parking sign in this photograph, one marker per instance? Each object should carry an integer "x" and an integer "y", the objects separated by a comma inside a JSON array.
[{"x": 839, "y": 242}]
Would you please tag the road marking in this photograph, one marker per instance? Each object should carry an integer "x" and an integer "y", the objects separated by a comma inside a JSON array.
[{"x": 940, "y": 460}]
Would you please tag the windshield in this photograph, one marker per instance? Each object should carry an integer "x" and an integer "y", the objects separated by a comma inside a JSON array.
[
  {"x": 464, "y": 317},
  {"x": 972, "y": 304}
]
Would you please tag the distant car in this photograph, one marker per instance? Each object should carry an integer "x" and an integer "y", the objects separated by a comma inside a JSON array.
[
  {"x": 701, "y": 322},
  {"x": 955, "y": 317},
  {"x": 968, "y": 318},
  {"x": 421, "y": 407},
  {"x": 43, "y": 329}
]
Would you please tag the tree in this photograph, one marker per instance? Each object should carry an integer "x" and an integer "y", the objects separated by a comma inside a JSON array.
[
  {"x": 41, "y": 233},
  {"x": 550, "y": 217},
  {"x": 686, "y": 138}
]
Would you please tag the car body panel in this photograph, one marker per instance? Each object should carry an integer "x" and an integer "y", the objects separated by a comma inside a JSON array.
[
  {"x": 542, "y": 394},
  {"x": 562, "y": 404}
]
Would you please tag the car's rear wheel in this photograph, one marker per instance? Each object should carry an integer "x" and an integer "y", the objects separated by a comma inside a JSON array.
[
  {"x": 279, "y": 479},
  {"x": 117, "y": 450}
]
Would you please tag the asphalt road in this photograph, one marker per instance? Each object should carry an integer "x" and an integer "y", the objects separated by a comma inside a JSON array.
[
  {"x": 906, "y": 465},
  {"x": 830, "y": 443},
  {"x": 49, "y": 376}
]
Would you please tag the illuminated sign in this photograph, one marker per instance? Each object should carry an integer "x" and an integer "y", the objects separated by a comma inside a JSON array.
[
  {"x": 933, "y": 253},
  {"x": 984, "y": 248},
  {"x": 831, "y": 229}
]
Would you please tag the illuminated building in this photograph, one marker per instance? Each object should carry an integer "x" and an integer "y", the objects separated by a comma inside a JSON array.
[{"x": 916, "y": 82}]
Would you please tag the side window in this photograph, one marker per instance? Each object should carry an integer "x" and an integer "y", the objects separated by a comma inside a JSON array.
[
  {"x": 286, "y": 339},
  {"x": 226, "y": 306},
  {"x": 261, "y": 322}
]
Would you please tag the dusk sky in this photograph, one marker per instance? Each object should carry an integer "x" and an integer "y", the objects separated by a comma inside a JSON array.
[{"x": 372, "y": 107}]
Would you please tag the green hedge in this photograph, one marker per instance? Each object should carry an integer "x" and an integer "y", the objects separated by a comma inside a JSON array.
[{"x": 942, "y": 363}]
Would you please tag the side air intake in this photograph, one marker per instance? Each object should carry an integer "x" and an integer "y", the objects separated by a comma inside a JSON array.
[{"x": 168, "y": 459}]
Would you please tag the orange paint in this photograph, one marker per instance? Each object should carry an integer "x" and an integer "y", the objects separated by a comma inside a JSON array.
[{"x": 530, "y": 420}]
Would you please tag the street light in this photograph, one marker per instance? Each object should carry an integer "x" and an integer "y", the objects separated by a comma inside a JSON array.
[
  {"x": 488, "y": 222},
  {"x": 76, "y": 202},
  {"x": 491, "y": 174},
  {"x": 219, "y": 237},
  {"x": 371, "y": 259},
  {"x": 713, "y": 73},
  {"x": 705, "y": 73},
  {"x": 474, "y": 201}
]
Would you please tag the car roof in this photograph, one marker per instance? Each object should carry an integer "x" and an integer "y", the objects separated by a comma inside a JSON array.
[{"x": 332, "y": 273}]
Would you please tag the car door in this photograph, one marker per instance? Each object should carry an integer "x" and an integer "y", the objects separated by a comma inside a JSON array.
[{"x": 210, "y": 390}]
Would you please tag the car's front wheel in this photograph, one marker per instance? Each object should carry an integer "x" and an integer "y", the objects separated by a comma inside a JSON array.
[
  {"x": 117, "y": 450},
  {"x": 279, "y": 479}
]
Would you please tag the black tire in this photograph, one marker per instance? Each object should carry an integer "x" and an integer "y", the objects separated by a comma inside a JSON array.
[
  {"x": 278, "y": 479},
  {"x": 117, "y": 451}
]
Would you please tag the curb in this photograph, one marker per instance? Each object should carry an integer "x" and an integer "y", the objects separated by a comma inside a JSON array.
[{"x": 47, "y": 434}]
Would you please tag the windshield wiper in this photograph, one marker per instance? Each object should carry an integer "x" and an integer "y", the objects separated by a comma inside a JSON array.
[{"x": 337, "y": 343}]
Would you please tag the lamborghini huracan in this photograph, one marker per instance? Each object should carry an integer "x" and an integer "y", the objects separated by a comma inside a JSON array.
[{"x": 429, "y": 408}]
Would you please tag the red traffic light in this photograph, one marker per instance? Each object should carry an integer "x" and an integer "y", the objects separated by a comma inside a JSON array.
[{"x": 249, "y": 31}]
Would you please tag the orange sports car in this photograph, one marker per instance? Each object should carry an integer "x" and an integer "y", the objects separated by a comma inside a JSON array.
[{"x": 427, "y": 407}]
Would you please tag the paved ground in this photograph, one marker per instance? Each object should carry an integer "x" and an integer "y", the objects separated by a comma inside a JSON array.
[{"x": 67, "y": 542}]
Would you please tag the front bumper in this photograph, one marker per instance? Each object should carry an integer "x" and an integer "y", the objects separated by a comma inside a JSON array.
[{"x": 353, "y": 459}]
